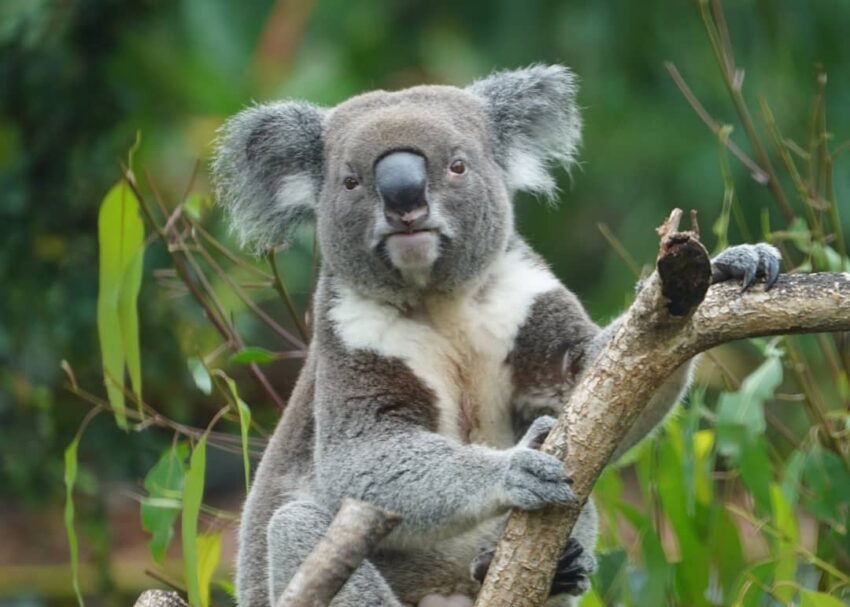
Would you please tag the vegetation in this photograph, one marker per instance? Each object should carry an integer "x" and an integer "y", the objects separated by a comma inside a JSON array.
[{"x": 743, "y": 499}]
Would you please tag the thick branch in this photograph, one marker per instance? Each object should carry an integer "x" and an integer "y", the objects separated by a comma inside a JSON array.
[
  {"x": 356, "y": 529},
  {"x": 652, "y": 341}
]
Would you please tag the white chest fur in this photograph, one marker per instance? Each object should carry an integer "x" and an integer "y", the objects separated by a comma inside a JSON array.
[{"x": 456, "y": 345}]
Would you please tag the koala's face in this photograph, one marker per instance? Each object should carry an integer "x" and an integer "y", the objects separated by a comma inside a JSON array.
[
  {"x": 412, "y": 196},
  {"x": 411, "y": 189}
]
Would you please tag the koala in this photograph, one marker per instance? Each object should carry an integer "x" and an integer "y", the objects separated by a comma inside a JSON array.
[{"x": 442, "y": 343}]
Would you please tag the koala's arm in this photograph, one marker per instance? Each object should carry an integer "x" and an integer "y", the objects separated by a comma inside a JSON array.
[
  {"x": 558, "y": 341},
  {"x": 377, "y": 441},
  {"x": 554, "y": 346}
]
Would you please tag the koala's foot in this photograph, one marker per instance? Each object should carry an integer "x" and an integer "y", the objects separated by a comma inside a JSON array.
[
  {"x": 574, "y": 567},
  {"x": 571, "y": 573},
  {"x": 747, "y": 262}
]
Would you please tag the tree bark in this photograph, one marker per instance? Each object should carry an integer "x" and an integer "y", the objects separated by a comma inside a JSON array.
[
  {"x": 669, "y": 322},
  {"x": 356, "y": 529}
]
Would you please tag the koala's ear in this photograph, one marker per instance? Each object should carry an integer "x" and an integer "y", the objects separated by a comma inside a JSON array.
[
  {"x": 536, "y": 123},
  {"x": 268, "y": 169}
]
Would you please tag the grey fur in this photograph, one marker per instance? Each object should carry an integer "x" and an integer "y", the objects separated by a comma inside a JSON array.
[
  {"x": 536, "y": 123},
  {"x": 425, "y": 385},
  {"x": 258, "y": 153},
  {"x": 747, "y": 262}
]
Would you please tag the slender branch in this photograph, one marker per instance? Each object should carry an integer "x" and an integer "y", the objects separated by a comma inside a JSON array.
[
  {"x": 665, "y": 326},
  {"x": 281, "y": 289},
  {"x": 356, "y": 529}
]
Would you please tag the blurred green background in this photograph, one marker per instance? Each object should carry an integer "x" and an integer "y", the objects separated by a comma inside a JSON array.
[{"x": 79, "y": 79}]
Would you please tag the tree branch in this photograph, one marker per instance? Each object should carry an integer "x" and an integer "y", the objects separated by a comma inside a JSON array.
[
  {"x": 356, "y": 529},
  {"x": 669, "y": 323}
]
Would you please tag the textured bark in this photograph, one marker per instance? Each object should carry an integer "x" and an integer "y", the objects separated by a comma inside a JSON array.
[
  {"x": 356, "y": 529},
  {"x": 657, "y": 335}
]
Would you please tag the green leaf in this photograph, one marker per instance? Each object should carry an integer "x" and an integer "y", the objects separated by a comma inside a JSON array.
[
  {"x": 121, "y": 246},
  {"x": 209, "y": 553},
  {"x": 727, "y": 554},
  {"x": 591, "y": 599},
  {"x": 692, "y": 579},
  {"x": 828, "y": 483},
  {"x": 228, "y": 587},
  {"x": 784, "y": 548},
  {"x": 196, "y": 205},
  {"x": 654, "y": 587},
  {"x": 200, "y": 375},
  {"x": 253, "y": 354},
  {"x": 244, "y": 425},
  {"x": 756, "y": 470},
  {"x": 164, "y": 484},
  {"x": 818, "y": 599},
  {"x": 743, "y": 411},
  {"x": 193, "y": 493},
  {"x": 73, "y": 546}
]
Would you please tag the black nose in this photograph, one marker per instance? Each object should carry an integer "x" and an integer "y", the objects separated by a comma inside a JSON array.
[{"x": 401, "y": 179}]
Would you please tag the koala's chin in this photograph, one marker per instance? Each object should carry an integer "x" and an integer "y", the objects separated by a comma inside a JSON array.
[{"x": 414, "y": 254}]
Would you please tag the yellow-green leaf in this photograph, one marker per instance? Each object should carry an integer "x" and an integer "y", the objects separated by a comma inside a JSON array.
[
  {"x": 818, "y": 599},
  {"x": 244, "y": 426},
  {"x": 73, "y": 547},
  {"x": 209, "y": 552},
  {"x": 785, "y": 555},
  {"x": 121, "y": 245},
  {"x": 193, "y": 493}
]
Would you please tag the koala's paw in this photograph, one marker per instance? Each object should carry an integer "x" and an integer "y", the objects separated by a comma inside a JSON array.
[
  {"x": 747, "y": 262},
  {"x": 571, "y": 573},
  {"x": 534, "y": 479},
  {"x": 537, "y": 432},
  {"x": 574, "y": 567}
]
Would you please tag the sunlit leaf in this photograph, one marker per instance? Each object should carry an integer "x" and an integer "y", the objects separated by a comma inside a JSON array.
[
  {"x": 121, "y": 248},
  {"x": 193, "y": 493},
  {"x": 73, "y": 546},
  {"x": 209, "y": 553},
  {"x": 164, "y": 484},
  {"x": 253, "y": 354}
]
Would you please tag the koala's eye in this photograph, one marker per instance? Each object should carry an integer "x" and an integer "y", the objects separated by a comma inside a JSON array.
[
  {"x": 349, "y": 183},
  {"x": 458, "y": 167}
]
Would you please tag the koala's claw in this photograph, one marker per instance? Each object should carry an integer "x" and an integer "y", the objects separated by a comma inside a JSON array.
[
  {"x": 571, "y": 573},
  {"x": 747, "y": 262}
]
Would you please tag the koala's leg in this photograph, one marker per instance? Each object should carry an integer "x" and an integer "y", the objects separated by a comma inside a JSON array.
[{"x": 293, "y": 532}]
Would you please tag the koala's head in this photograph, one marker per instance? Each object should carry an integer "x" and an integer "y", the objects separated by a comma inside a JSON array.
[{"x": 411, "y": 189}]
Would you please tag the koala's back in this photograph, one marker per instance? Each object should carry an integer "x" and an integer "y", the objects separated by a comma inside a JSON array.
[{"x": 284, "y": 472}]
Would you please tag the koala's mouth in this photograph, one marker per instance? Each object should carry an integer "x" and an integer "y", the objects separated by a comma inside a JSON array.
[{"x": 412, "y": 250}]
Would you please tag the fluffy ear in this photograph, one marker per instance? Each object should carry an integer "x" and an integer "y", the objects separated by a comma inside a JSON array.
[
  {"x": 268, "y": 170},
  {"x": 536, "y": 123}
]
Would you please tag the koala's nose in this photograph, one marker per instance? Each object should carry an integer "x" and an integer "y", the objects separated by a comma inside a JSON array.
[{"x": 401, "y": 178}]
